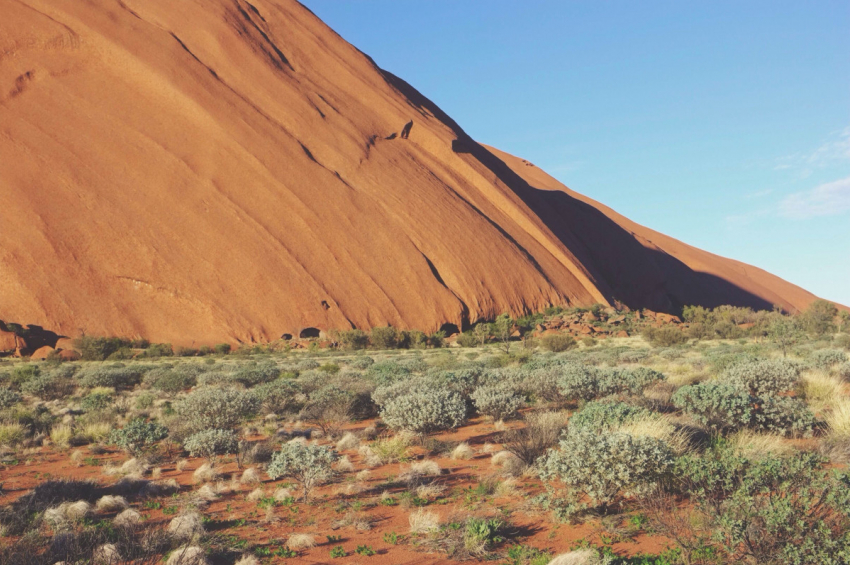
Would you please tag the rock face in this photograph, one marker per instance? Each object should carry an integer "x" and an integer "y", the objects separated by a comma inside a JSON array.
[{"x": 225, "y": 170}]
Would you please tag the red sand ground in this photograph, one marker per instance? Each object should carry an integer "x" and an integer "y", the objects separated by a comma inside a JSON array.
[
  {"x": 536, "y": 528},
  {"x": 219, "y": 170}
]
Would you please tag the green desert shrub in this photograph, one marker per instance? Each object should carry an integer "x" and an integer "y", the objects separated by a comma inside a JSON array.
[
  {"x": 772, "y": 510},
  {"x": 468, "y": 339},
  {"x": 827, "y": 358},
  {"x": 605, "y": 467},
  {"x": 256, "y": 373},
  {"x": 784, "y": 415},
  {"x": 387, "y": 372},
  {"x": 499, "y": 401},
  {"x": 112, "y": 377},
  {"x": 425, "y": 410},
  {"x": 718, "y": 406},
  {"x": 171, "y": 380},
  {"x": 361, "y": 363},
  {"x": 8, "y": 397},
  {"x": 764, "y": 376},
  {"x": 21, "y": 374},
  {"x": 138, "y": 436},
  {"x": 96, "y": 402},
  {"x": 384, "y": 338},
  {"x": 665, "y": 336},
  {"x": 843, "y": 371},
  {"x": 214, "y": 409},
  {"x": 307, "y": 464},
  {"x": 353, "y": 339},
  {"x": 627, "y": 380},
  {"x": 842, "y": 341},
  {"x": 99, "y": 348},
  {"x": 558, "y": 342},
  {"x": 329, "y": 408},
  {"x": 209, "y": 444},
  {"x": 280, "y": 396},
  {"x": 50, "y": 386},
  {"x": 578, "y": 382},
  {"x": 599, "y": 416}
]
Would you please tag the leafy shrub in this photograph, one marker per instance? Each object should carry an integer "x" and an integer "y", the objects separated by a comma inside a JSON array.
[
  {"x": 211, "y": 443},
  {"x": 784, "y": 415},
  {"x": 384, "y": 338},
  {"x": 771, "y": 510},
  {"x": 353, "y": 339},
  {"x": 764, "y": 376},
  {"x": 387, "y": 373},
  {"x": 96, "y": 401},
  {"x": 280, "y": 396},
  {"x": 112, "y": 377},
  {"x": 170, "y": 380},
  {"x": 558, "y": 342},
  {"x": 665, "y": 336},
  {"x": 8, "y": 397},
  {"x": 222, "y": 348},
  {"x": 214, "y": 409},
  {"x": 719, "y": 406},
  {"x": 844, "y": 371},
  {"x": 578, "y": 382},
  {"x": 842, "y": 341},
  {"x": 607, "y": 466},
  {"x": 627, "y": 381},
  {"x": 425, "y": 410},
  {"x": 255, "y": 374},
  {"x": 307, "y": 464},
  {"x": 468, "y": 339},
  {"x": 329, "y": 408},
  {"x": 21, "y": 374},
  {"x": 50, "y": 386},
  {"x": 156, "y": 350},
  {"x": 599, "y": 416},
  {"x": 361, "y": 363},
  {"x": 138, "y": 436},
  {"x": 99, "y": 348},
  {"x": 499, "y": 402},
  {"x": 827, "y": 358}
]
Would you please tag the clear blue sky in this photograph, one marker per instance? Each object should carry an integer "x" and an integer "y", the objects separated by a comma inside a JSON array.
[{"x": 723, "y": 124}]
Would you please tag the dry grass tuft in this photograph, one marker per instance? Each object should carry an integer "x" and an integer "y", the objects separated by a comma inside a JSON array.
[
  {"x": 344, "y": 464},
  {"x": 111, "y": 503},
  {"x": 658, "y": 427},
  {"x": 127, "y": 519},
  {"x": 348, "y": 441},
  {"x": 250, "y": 476},
  {"x": 820, "y": 389},
  {"x": 188, "y": 555},
  {"x": 423, "y": 521},
  {"x": 755, "y": 446},
  {"x": 838, "y": 419},
  {"x": 578, "y": 557},
  {"x": 462, "y": 452},
  {"x": 205, "y": 473},
  {"x": 186, "y": 527},
  {"x": 301, "y": 541}
]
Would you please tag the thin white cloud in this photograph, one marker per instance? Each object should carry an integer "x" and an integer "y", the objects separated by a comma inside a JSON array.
[
  {"x": 836, "y": 150},
  {"x": 828, "y": 199}
]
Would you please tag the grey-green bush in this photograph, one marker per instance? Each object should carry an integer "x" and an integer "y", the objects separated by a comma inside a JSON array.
[
  {"x": 763, "y": 376},
  {"x": 114, "y": 377},
  {"x": 170, "y": 380},
  {"x": 280, "y": 396},
  {"x": 138, "y": 436},
  {"x": 50, "y": 386},
  {"x": 211, "y": 443},
  {"x": 784, "y": 415},
  {"x": 578, "y": 382},
  {"x": 598, "y": 416},
  {"x": 626, "y": 380},
  {"x": 499, "y": 402},
  {"x": 425, "y": 411},
  {"x": 215, "y": 409},
  {"x": 607, "y": 466},
  {"x": 307, "y": 464},
  {"x": 718, "y": 406},
  {"x": 8, "y": 397},
  {"x": 827, "y": 358}
]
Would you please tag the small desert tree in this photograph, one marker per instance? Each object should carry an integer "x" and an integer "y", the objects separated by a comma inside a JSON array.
[
  {"x": 783, "y": 331},
  {"x": 481, "y": 333},
  {"x": 309, "y": 465},
  {"x": 502, "y": 328},
  {"x": 819, "y": 318}
]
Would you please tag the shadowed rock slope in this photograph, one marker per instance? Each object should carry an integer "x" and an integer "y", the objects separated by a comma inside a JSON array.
[{"x": 218, "y": 170}]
